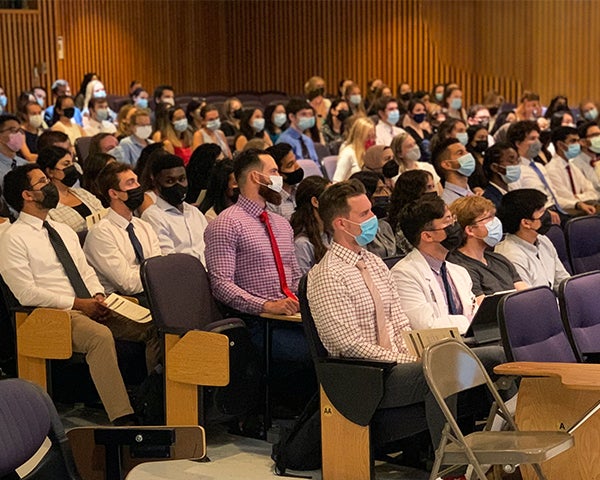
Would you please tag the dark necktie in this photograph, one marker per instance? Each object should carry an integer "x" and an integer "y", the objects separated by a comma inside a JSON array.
[
  {"x": 571, "y": 181},
  {"x": 452, "y": 310},
  {"x": 264, "y": 218},
  {"x": 305, "y": 152},
  {"x": 542, "y": 178},
  {"x": 13, "y": 164},
  {"x": 64, "y": 257},
  {"x": 137, "y": 246}
]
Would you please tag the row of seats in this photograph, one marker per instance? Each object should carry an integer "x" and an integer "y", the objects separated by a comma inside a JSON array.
[{"x": 577, "y": 245}]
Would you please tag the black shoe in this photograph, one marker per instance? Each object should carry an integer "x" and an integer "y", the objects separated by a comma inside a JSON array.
[{"x": 125, "y": 421}]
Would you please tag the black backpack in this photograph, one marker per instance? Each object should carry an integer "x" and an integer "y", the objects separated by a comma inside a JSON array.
[{"x": 299, "y": 446}]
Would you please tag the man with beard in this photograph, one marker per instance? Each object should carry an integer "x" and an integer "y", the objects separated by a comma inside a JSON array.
[
  {"x": 178, "y": 225},
  {"x": 43, "y": 264}
]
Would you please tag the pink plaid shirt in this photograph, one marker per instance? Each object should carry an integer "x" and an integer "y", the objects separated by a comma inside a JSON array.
[{"x": 239, "y": 259}]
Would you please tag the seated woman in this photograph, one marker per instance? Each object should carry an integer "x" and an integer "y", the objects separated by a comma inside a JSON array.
[
  {"x": 416, "y": 124},
  {"x": 210, "y": 133},
  {"x": 252, "y": 125},
  {"x": 310, "y": 240},
  {"x": 172, "y": 130},
  {"x": 91, "y": 168},
  {"x": 333, "y": 128},
  {"x": 408, "y": 154},
  {"x": 74, "y": 204},
  {"x": 232, "y": 113},
  {"x": 64, "y": 111},
  {"x": 477, "y": 146},
  {"x": 351, "y": 158},
  {"x": 222, "y": 190},
  {"x": 199, "y": 169},
  {"x": 275, "y": 121},
  {"x": 489, "y": 271}
]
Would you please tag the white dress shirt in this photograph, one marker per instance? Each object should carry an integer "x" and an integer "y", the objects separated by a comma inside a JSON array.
[
  {"x": 530, "y": 179},
  {"x": 537, "y": 264},
  {"x": 31, "y": 269},
  {"x": 589, "y": 167},
  {"x": 177, "y": 232},
  {"x": 110, "y": 251},
  {"x": 93, "y": 127},
  {"x": 557, "y": 171},
  {"x": 385, "y": 133},
  {"x": 346, "y": 165}
]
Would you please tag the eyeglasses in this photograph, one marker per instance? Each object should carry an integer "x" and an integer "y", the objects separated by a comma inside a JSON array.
[
  {"x": 42, "y": 181},
  {"x": 482, "y": 220},
  {"x": 453, "y": 218}
]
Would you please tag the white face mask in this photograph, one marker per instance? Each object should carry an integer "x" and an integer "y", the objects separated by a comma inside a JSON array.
[
  {"x": 414, "y": 154},
  {"x": 143, "y": 132},
  {"x": 169, "y": 101},
  {"x": 276, "y": 182},
  {"x": 36, "y": 120}
]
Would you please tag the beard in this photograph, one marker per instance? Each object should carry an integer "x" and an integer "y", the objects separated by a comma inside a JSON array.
[{"x": 269, "y": 195}]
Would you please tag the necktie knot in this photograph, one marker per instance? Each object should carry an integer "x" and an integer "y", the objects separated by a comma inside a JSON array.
[
  {"x": 264, "y": 216},
  {"x": 135, "y": 242}
]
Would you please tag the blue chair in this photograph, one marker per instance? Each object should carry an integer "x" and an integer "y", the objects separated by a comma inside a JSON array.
[
  {"x": 557, "y": 237},
  {"x": 583, "y": 240},
  {"x": 329, "y": 164},
  {"x": 531, "y": 328}
]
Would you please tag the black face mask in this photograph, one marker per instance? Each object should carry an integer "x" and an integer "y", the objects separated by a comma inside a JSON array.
[
  {"x": 293, "y": 178},
  {"x": 174, "y": 195},
  {"x": 343, "y": 115},
  {"x": 481, "y": 146},
  {"x": 493, "y": 111},
  {"x": 71, "y": 176},
  {"x": 236, "y": 194},
  {"x": 454, "y": 237},
  {"x": 546, "y": 223},
  {"x": 135, "y": 197},
  {"x": 237, "y": 114},
  {"x": 406, "y": 96},
  {"x": 69, "y": 112},
  {"x": 51, "y": 197},
  {"x": 317, "y": 92},
  {"x": 380, "y": 206}
]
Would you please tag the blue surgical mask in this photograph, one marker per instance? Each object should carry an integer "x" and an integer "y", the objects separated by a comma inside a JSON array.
[
  {"x": 304, "y": 123},
  {"x": 180, "y": 125},
  {"x": 102, "y": 114},
  {"x": 355, "y": 99},
  {"x": 591, "y": 115},
  {"x": 462, "y": 137},
  {"x": 213, "y": 125},
  {"x": 393, "y": 117},
  {"x": 41, "y": 102},
  {"x": 513, "y": 173},
  {"x": 439, "y": 96},
  {"x": 456, "y": 103},
  {"x": 467, "y": 165},
  {"x": 573, "y": 150},
  {"x": 142, "y": 102},
  {"x": 100, "y": 94},
  {"x": 494, "y": 229},
  {"x": 279, "y": 119},
  {"x": 3, "y": 101},
  {"x": 368, "y": 231},
  {"x": 258, "y": 124}
]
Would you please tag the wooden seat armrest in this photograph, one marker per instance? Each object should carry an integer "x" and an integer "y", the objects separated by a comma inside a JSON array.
[
  {"x": 44, "y": 333},
  {"x": 582, "y": 376}
]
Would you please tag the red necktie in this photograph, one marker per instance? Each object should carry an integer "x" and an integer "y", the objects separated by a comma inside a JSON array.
[
  {"x": 264, "y": 217},
  {"x": 573, "y": 189}
]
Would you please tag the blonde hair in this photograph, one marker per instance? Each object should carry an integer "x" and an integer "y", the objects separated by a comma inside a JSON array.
[
  {"x": 467, "y": 209},
  {"x": 396, "y": 146},
  {"x": 311, "y": 84},
  {"x": 123, "y": 123},
  {"x": 357, "y": 137}
]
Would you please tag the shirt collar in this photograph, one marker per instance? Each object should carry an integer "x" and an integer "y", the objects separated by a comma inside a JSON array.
[
  {"x": 252, "y": 208},
  {"x": 117, "y": 219},
  {"x": 31, "y": 220},
  {"x": 463, "y": 192},
  {"x": 531, "y": 247},
  {"x": 433, "y": 263},
  {"x": 499, "y": 188},
  {"x": 164, "y": 205},
  {"x": 345, "y": 254}
]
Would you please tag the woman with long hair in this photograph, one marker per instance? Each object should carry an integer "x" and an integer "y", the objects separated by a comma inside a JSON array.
[
  {"x": 222, "y": 190},
  {"x": 350, "y": 160},
  {"x": 252, "y": 125},
  {"x": 172, "y": 129}
]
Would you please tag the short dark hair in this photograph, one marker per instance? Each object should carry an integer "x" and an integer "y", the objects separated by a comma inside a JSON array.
[
  {"x": 382, "y": 103},
  {"x": 279, "y": 152},
  {"x": 518, "y": 131},
  {"x": 369, "y": 181},
  {"x": 517, "y": 205},
  {"x": 440, "y": 153},
  {"x": 246, "y": 160},
  {"x": 15, "y": 182},
  {"x": 6, "y": 117},
  {"x": 493, "y": 155},
  {"x": 93, "y": 101},
  {"x": 158, "y": 91},
  {"x": 50, "y": 138},
  {"x": 333, "y": 202},
  {"x": 583, "y": 128},
  {"x": 409, "y": 186},
  {"x": 50, "y": 156},
  {"x": 108, "y": 178},
  {"x": 165, "y": 162},
  {"x": 560, "y": 134},
  {"x": 416, "y": 217},
  {"x": 296, "y": 104}
]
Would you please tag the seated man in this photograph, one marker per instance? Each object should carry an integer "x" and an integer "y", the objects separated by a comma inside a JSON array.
[
  {"x": 434, "y": 293},
  {"x": 501, "y": 167},
  {"x": 525, "y": 220},
  {"x": 389, "y": 116},
  {"x": 292, "y": 174},
  {"x": 118, "y": 244},
  {"x": 44, "y": 266},
  {"x": 11, "y": 141},
  {"x": 130, "y": 148},
  {"x": 489, "y": 271},
  {"x": 178, "y": 225},
  {"x": 301, "y": 117},
  {"x": 454, "y": 165},
  {"x": 98, "y": 120},
  {"x": 587, "y": 160}
]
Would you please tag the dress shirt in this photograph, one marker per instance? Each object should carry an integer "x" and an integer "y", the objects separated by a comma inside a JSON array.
[
  {"x": 49, "y": 112},
  {"x": 287, "y": 206},
  {"x": 293, "y": 136},
  {"x": 557, "y": 172},
  {"x": 344, "y": 310},
  {"x": 589, "y": 167},
  {"x": 453, "y": 192},
  {"x": 305, "y": 251},
  {"x": 109, "y": 250},
  {"x": 428, "y": 167},
  {"x": 436, "y": 268},
  {"x": 529, "y": 179},
  {"x": 385, "y": 133},
  {"x": 423, "y": 298},
  {"x": 31, "y": 269},
  {"x": 129, "y": 150},
  {"x": 93, "y": 127},
  {"x": 72, "y": 130},
  {"x": 537, "y": 264},
  {"x": 240, "y": 262},
  {"x": 178, "y": 232},
  {"x": 346, "y": 165},
  {"x": 494, "y": 193},
  {"x": 6, "y": 165},
  {"x": 69, "y": 216}
]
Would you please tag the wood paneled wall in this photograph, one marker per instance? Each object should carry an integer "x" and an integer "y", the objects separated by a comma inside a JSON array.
[{"x": 549, "y": 46}]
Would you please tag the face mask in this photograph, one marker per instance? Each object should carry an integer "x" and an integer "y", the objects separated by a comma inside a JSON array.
[
  {"x": 513, "y": 173},
  {"x": 406, "y": 96},
  {"x": 591, "y": 115},
  {"x": 213, "y": 125},
  {"x": 304, "y": 123},
  {"x": 534, "y": 149},
  {"x": 343, "y": 115},
  {"x": 393, "y": 117},
  {"x": 295, "y": 177},
  {"x": 174, "y": 195},
  {"x": 454, "y": 237},
  {"x": 369, "y": 142},
  {"x": 40, "y": 101},
  {"x": 169, "y": 101},
  {"x": 494, "y": 229},
  {"x": 462, "y": 137},
  {"x": 36, "y": 120},
  {"x": 3, "y": 101},
  {"x": 102, "y": 114},
  {"x": 276, "y": 183},
  {"x": 258, "y": 124},
  {"x": 456, "y": 103},
  {"x": 368, "y": 231},
  {"x": 141, "y": 103},
  {"x": 180, "y": 125},
  {"x": 355, "y": 99},
  {"x": 484, "y": 123},
  {"x": 493, "y": 111},
  {"x": 318, "y": 92},
  {"x": 573, "y": 150},
  {"x": 71, "y": 175},
  {"x": 546, "y": 223},
  {"x": 237, "y": 114},
  {"x": 100, "y": 94},
  {"x": 419, "y": 117},
  {"x": 414, "y": 154},
  {"x": 15, "y": 141},
  {"x": 279, "y": 119},
  {"x": 481, "y": 146},
  {"x": 439, "y": 96},
  {"x": 595, "y": 144},
  {"x": 467, "y": 165},
  {"x": 380, "y": 206},
  {"x": 135, "y": 197},
  {"x": 69, "y": 112},
  {"x": 51, "y": 197},
  {"x": 143, "y": 132}
]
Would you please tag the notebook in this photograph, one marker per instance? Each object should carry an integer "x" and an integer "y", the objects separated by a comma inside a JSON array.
[{"x": 484, "y": 328}]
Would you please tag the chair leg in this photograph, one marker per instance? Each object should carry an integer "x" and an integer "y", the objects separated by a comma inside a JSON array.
[
  {"x": 538, "y": 471},
  {"x": 439, "y": 453}
]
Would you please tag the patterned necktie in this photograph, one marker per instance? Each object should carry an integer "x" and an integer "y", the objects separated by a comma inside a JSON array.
[
  {"x": 305, "y": 152},
  {"x": 383, "y": 337},
  {"x": 264, "y": 218},
  {"x": 452, "y": 310},
  {"x": 137, "y": 246},
  {"x": 64, "y": 257},
  {"x": 542, "y": 178}
]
